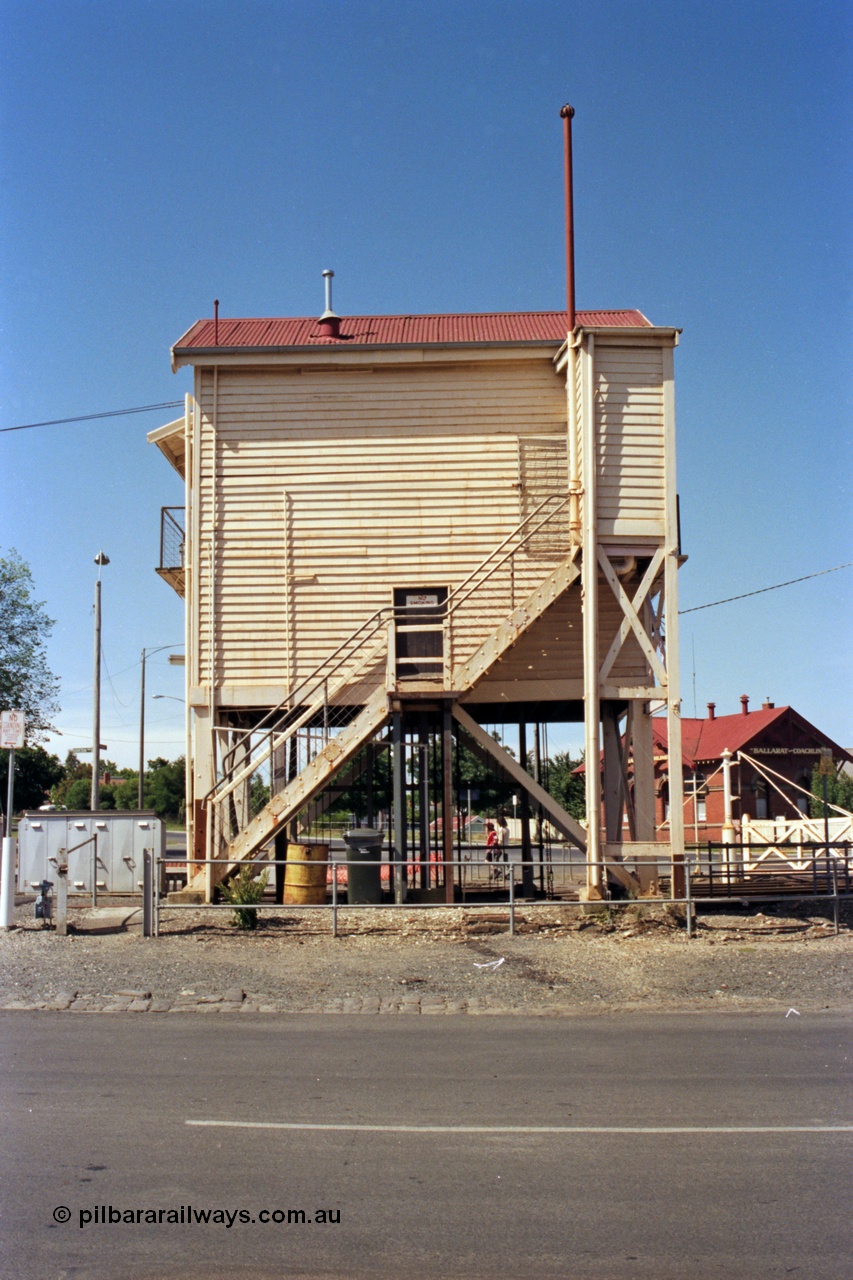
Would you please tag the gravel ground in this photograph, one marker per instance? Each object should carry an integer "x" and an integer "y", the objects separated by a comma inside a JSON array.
[{"x": 420, "y": 962}]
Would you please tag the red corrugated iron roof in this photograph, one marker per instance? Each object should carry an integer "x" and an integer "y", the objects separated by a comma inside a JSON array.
[
  {"x": 438, "y": 330},
  {"x": 707, "y": 739},
  {"x": 703, "y": 741}
]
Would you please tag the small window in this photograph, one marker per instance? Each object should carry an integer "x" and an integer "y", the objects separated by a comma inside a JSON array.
[
  {"x": 761, "y": 802},
  {"x": 803, "y": 800},
  {"x": 419, "y": 614}
]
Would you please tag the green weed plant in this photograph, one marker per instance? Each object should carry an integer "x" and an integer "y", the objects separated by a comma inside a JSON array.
[{"x": 242, "y": 891}]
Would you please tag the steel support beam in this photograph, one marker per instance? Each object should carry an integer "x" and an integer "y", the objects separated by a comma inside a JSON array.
[{"x": 447, "y": 799}]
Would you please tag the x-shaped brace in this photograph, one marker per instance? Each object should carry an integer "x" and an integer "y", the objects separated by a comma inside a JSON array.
[{"x": 631, "y": 621}]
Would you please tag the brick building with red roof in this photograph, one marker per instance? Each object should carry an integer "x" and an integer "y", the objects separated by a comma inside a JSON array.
[{"x": 771, "y": 743}]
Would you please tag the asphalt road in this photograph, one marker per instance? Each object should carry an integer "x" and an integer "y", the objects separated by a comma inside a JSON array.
[{"x": 606, "y": 1147}]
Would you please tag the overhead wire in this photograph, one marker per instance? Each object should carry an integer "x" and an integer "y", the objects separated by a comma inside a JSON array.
[
  {"x": 91, "y": 417},
  {"x": 760, "y": 591},
  {"x": 87, "y": 688},
  {"x": 135, "y": 695}
]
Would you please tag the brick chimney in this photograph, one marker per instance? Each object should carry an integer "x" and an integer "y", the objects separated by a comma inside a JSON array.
[
  {"x": 744, "y": 704},
  {"x": 712, "y": 710},
  {"x": 767, "y": 705}
]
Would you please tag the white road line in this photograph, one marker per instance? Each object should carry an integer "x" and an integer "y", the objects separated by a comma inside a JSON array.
[{"x": 520, "y": 1128}]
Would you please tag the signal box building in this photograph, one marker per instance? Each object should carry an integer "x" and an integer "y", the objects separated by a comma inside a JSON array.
[{"x": 406, "y": 528}]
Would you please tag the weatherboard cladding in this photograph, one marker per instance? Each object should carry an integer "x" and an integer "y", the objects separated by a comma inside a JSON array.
[
  {"x": 344, "y": 486},
  {"x": 629, "y": 411},
  {"x": 379, "y": 331},
  {"x": 334, "y": 484},
  {"x": 333, "y": 489}
]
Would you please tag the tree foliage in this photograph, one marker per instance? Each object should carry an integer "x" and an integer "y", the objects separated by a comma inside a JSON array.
[
  {"x": 259, "y": 794},
  {"x": 35, "y": 773},
  {"x": 164, "y": 786},
  {"x": 74, "y": 772},
  {"x": 26, "y": 682},
  {"x": 839, "y": 790},
  {"x": 566, "y": 786},
  {"x": 165, "y": 782}
]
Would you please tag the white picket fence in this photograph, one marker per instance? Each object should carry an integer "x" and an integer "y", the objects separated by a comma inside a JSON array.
[{"x": 784, "y": 841}]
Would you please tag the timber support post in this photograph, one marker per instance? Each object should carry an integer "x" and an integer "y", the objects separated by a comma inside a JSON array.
[
  {"x": 398, "y": 770},
  {"x": 447, "y": 801}
]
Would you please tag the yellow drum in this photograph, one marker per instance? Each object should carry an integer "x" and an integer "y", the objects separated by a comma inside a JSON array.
[{"x": 305, "y": 879}]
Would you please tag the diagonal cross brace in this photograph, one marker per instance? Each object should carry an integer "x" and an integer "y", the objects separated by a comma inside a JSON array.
[
  {"x": 632, "y": 621},
  {"x": 562, "y": 820}
]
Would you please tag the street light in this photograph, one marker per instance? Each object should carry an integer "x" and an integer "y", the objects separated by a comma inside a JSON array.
[
  {"x": 100, "y": 560},
  {"x": 145, "y": 653}
]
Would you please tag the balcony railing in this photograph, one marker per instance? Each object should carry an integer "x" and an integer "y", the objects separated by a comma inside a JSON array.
[{"x": 171, "y": 566}]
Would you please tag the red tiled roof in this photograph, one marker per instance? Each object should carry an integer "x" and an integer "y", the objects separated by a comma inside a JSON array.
[{"x": 439, "y": 330}]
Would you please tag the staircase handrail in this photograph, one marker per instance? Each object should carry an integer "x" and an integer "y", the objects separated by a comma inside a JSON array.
[
  {"x": 456, "y": 597},
  {"x": 313, "y": 690},
  {"x": 308, "y": 685}
]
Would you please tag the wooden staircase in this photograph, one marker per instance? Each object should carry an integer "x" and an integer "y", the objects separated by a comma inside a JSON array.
[
  {"x": 231, "y": 848},
  {"x": 287, "y": 803},
  {"x": 466, "y": 675}
]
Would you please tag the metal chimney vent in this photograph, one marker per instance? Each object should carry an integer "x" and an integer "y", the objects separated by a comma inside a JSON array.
[{"x": 330, "y": 324}]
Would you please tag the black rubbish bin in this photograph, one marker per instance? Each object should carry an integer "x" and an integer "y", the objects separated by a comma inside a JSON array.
[{"x": 364, "y": 884}]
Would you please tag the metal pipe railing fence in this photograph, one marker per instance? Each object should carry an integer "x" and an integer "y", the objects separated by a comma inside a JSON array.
[
  {"x": 839, "y": 873},
  {"x": 742, "y": 861}
]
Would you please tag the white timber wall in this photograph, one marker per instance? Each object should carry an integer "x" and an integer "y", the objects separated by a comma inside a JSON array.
[
  {"x": 629, "y": 418},
  {"x": 335, "y": 485}
]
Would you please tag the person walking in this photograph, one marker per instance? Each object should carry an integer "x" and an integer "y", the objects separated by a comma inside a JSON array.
[
  {"x": 502, "y": 849},
  {"x": 493, "y": 850}
]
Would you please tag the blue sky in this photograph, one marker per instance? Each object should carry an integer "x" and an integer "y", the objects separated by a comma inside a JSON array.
[{"x": 157, "y": 156}]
